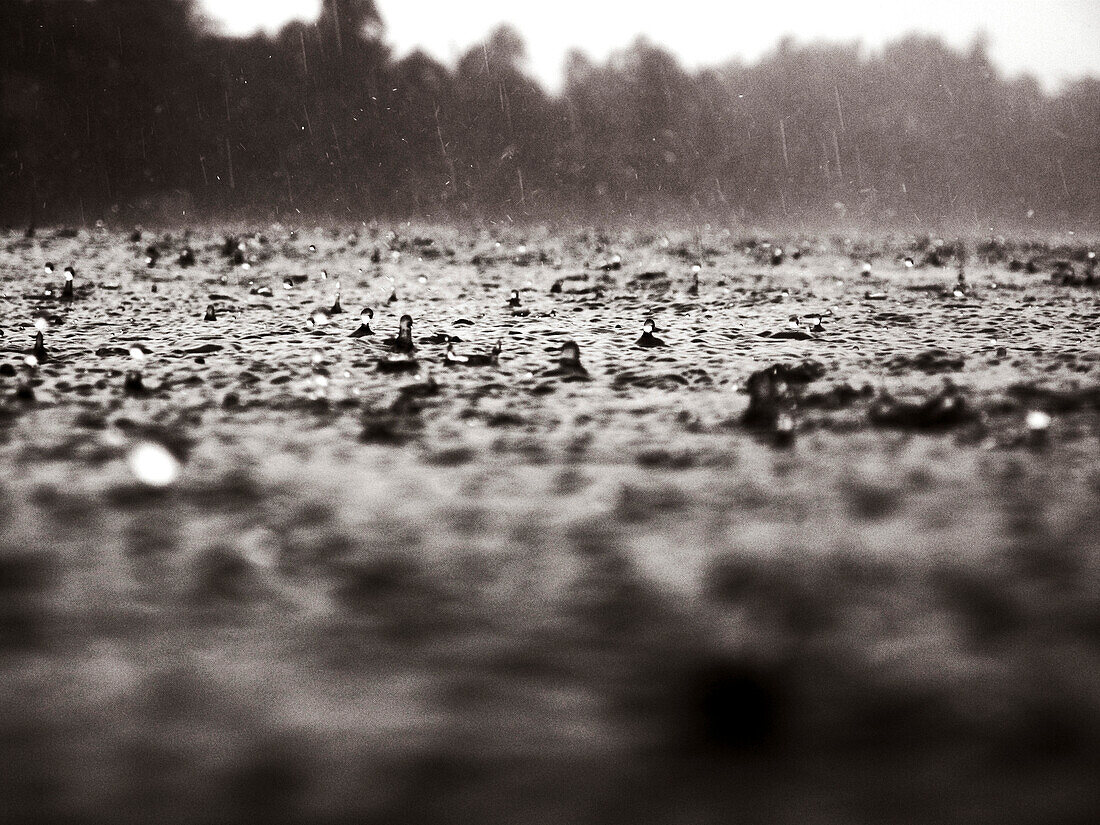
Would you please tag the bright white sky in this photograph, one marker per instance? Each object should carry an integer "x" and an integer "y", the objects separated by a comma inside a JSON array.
[{"x": 1052, "y": 39}]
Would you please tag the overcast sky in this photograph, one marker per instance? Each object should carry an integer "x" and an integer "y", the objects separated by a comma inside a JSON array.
[{"x": 1054, "y": 39}]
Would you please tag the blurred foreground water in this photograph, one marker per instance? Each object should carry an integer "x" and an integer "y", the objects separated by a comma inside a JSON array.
[{"x": 831, "y": 569}]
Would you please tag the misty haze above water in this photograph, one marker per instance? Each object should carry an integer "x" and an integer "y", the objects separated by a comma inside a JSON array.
[{"x": 141, "y": 111}]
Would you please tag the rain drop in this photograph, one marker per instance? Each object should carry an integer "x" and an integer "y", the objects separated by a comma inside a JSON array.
[{"x": 153, "y": 465}]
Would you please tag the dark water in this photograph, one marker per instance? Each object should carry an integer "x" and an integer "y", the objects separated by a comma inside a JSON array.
[{"x": 862, "y": 585}]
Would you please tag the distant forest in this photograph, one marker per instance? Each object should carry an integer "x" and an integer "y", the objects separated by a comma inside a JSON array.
[{"x": 139, "y": 110}]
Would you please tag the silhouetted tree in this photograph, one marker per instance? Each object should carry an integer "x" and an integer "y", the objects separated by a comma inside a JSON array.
[{"x": 140, "y": 107}]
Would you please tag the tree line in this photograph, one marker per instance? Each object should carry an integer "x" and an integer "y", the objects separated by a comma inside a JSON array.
[{"x": 137, "y": 108}]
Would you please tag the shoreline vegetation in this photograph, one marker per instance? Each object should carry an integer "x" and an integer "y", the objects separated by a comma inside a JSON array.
[{"x": 140, "y": 111}]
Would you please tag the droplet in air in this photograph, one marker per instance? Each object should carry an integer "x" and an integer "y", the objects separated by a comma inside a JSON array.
[
  {"x": 153, "y": 465},
  {"x": 1037, "y": 421}
]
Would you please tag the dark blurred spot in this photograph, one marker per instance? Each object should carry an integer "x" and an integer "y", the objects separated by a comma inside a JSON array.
[
  {"x": 667, "y": 459},
  {"x": 222, "y": 573},
  {"x": 736, "y": 705},
  {"x": 25, "y": 579},
  {"x": 450, "y": 456},
  {"x": 987, "y": 607},
  {"x": 269, "y": 787},
  {"x": 869, "y": 501},
  {"x": 641, "y": 504}
]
